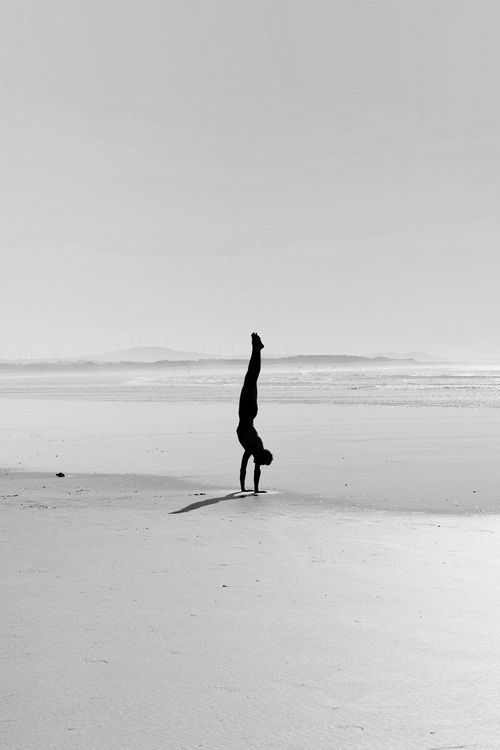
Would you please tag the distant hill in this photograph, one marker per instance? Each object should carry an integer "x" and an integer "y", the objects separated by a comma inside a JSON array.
[
  {"x": 418, "y": 356},
  {"x": 157, "y": 355},
  {"x": 147, "y": 358},
  {"x": 142, "y": 354},
  {"x": 339, "y": 359},
  {"x": 152, "y": 354}
]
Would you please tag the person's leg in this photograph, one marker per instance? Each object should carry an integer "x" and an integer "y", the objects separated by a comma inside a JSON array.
[
  {"x": 253, "y": 370},
  {"x": 248, "y": 397}
]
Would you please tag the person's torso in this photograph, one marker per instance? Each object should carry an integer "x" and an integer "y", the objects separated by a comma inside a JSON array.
[{"x": 249, "y": 437}]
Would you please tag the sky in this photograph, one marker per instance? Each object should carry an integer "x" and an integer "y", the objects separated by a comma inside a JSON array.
[{"x": 181, "y": 173}]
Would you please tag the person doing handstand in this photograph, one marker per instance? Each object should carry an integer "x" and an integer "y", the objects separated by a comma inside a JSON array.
[{"x": 247, "y": 434}]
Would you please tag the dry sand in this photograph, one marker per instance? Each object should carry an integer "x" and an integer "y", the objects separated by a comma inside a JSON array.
[{"x": 276, "y": 621}]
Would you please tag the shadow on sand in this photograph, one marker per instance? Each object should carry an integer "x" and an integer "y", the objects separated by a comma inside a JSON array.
[{"x": 211, "y": 501}]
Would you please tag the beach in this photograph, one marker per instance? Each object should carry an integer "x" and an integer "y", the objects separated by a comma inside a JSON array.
[
  {"x": 241, "y": 623},
  {"x": 215, "y": 214},
  {"x": 148, "y": 604},
  {"x": 399, "y": 458}
]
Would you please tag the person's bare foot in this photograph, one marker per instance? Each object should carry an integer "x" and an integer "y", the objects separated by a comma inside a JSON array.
[{"x": 256, "y": 342}]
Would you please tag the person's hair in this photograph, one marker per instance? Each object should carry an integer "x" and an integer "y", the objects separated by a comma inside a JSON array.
[{"x": 264, "y": 457}]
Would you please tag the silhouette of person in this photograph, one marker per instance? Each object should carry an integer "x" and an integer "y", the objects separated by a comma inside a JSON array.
[{"x": 247, "y": 434}]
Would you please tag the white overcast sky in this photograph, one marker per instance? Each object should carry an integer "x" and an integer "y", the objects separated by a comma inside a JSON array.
[{"x": 183, "y": 173}]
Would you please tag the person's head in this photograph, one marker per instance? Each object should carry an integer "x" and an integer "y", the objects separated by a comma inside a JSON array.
[{"x": 264, "y": 457}]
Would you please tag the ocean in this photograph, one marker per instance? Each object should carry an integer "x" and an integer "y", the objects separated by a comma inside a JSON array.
[{"x": 443, "y": 385}]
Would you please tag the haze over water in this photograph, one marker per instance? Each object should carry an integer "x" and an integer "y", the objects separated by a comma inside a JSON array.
[{"x": 443, "y": 385}]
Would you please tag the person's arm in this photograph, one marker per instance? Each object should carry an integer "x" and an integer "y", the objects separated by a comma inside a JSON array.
[
  {"x": 256, "y": 478},
  {"x": 243, "y": 470}
]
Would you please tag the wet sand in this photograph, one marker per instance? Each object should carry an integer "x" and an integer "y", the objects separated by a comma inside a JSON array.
[
  {"x": 249, "y": 621},
  {"x": 146, "y": 604},
  {"x": 370, "y": 457}
]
